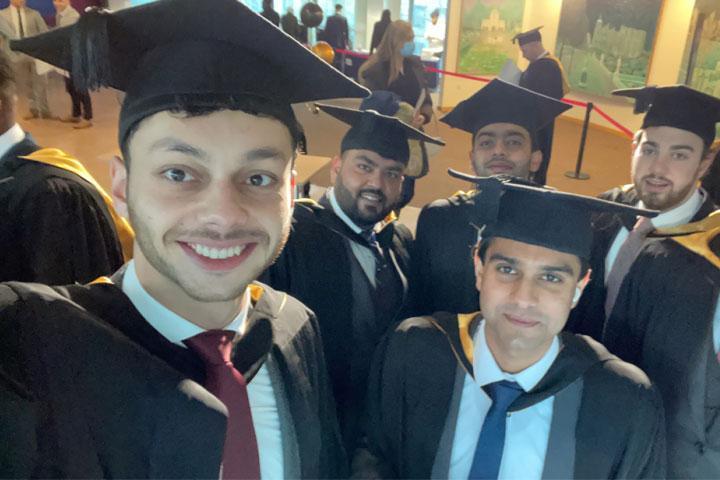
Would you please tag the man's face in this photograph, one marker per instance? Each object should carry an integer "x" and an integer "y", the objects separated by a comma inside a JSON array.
[
  {"x": 504, "y": 148},
  {"x": 210, "y": 200},
  {"x": 666, "y": 166},
  {"x": 17, "y": 3},
  {"x": 60, "y": 5},
  {"x": 434, "y": 19},
  {"x": 367, "y": 185},
  {"x": 526, "y": 294}
]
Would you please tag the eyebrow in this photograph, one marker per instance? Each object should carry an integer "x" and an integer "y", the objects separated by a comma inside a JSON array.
[
  {"x": 563, "y": 268},
  {"x": 366, "y": 160},
  {"x": 682, "y": 147},
  {"x": 172, "y": 144}
]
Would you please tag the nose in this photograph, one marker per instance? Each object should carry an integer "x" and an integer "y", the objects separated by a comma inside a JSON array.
[
  {"x": 499, "y": 149},
  {"x": 376, "y": 179},
  {"x": 659, "y": 165},
  {"x": 223, "y": 206},
  {"x": 525, "y": 293}
]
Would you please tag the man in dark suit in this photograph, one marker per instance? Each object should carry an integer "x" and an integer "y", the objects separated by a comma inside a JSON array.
[
  {"x": 107, "y": 372},
  {"x": 346, "y": 258},
  {"x": 502, "y": 393},
  {"x": 671, "y": 153},
  {"x": 503, "y": 120},
  {"x": 57, "y": 226},
  {"x": 544, "y": 75},
  {"x": 336, "y": 29}
]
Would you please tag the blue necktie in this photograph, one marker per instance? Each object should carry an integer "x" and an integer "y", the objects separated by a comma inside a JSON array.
[{"x": 489, "y": 450}]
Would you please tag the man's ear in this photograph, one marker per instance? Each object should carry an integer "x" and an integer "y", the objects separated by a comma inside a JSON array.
[
  {"x": 477, "y": 262},
  {"x": 118, "y": 174},
  {"x": 335, "y": 164},
  {"x": 535, "y": 161},
  {"x": 707, "y": 162},
  {"x": 580, "y": 287}
]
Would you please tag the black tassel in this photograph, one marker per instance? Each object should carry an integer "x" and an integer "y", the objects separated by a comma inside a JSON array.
[{"x": 91, "y": 51}]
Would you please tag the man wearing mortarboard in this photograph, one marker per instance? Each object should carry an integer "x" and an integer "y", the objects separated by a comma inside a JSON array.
[
  {"x": 502, "y": 393},
  {"x": 503, "y": 120},
  {"x": 670, "y": 154},
  {"x": 347, "y": 257},
  {"x": 180, "y": 365},
  {"x": 666, "y": 316},
  {"x": 544, "y": 75}
]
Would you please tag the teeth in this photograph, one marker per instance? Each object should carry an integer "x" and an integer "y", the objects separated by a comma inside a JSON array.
[
  {"x": 370, "y": 196},
  {"x": 217, "y": 253}
]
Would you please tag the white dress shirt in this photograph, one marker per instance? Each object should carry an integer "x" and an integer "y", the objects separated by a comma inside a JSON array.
[
  {"x": 679, "y": 215},
  {"x": 11, "y": 137},
  {"x": 527, "y": 431},
  {"x": 16, "y": 24},
  {"x": 263, "y": 404},
  {"x": 363, "y": 254}
]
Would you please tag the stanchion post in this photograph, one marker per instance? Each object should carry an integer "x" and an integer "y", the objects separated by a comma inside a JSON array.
[{"x": 577, "y": 174}]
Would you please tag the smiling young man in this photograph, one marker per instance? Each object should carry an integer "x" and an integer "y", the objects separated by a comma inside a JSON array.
[
  {"x": 104, "y": 375},
  {"x": 503, "y": 120},
  {"x": 344, "y": 259},
  {"x": 502, "y": 393},
  {"x": 671, "y": 153}
]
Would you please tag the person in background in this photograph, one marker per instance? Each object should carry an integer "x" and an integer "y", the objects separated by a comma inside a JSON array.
[
  {"x": 544, "y": 75},
  {"x": 336, "y": 30},
  {"x": 82, "y": 113},
  {"x": 269, "y": 13},
  {"x": 379, "y": 30},
  {"x": 289, "y": 23},
  {"x": 27, "y": 22},
  {"x": 435, "y": 34}
]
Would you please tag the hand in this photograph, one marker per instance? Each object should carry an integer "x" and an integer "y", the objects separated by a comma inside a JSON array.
[{"x": 418, "y": 120}]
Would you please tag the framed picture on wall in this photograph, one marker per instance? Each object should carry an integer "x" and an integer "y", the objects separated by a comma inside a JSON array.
[
  {"x": 701, "y": 61},
  {"x": 486, "y": 33},
  {"x": 607, "y": 44}
]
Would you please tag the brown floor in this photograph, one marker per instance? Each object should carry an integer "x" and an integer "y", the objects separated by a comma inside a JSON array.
[{"x": 607, "y": 154}]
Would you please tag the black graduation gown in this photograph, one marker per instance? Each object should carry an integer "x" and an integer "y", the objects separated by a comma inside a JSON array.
[
  {"x": 54, "y": 226},
  {"x": 315, "y": 267},
  {"x": 97, "y": 392},
  {"x": 443, "y": 275},
  {"x": 607, "y": 419},
  {"x": 662, "y": 321},
  {"x": 588, "y": 316},
  {"x": 544, "y": 76}
]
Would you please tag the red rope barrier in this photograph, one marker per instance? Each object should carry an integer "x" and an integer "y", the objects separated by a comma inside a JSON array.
[{"x": 569, "y": 101}]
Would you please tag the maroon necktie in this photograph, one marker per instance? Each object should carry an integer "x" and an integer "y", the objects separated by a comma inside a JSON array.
[
  {"x": 626, "y": 256},
  {"x": 240, "y": 456}
]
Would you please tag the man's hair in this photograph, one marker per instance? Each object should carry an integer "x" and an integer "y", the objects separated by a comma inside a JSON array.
[
  {"x": 639, "y": 133},
  {"x": 481, "y": 248},
  {"x": 7, "y": 76},
  {"x": 188, "y": 107}
]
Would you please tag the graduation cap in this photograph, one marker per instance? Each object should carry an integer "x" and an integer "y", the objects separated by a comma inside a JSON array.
[
  {"x": 532, "y": 35},
  {"x": 676, "y": 106},
  {"x": 207, "y": 50},
  {"x": 503, "y": 102},
  {"x": 541, "y": 216},
  {"x": 373, "y": 127}
]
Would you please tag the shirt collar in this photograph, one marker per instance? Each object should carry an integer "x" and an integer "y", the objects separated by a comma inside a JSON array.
[
  {"x": 487, "y": 371},
  {"x": 340, "y": 213},
  {"x": 11, "y": 137},
  {"x": 543, "y": 55},
  {"x": 171, "y": 325},
  {"x": 681, "y": 214}
]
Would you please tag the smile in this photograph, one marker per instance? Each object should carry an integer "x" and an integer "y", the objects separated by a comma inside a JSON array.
[
  {"x": 521, "y": 321},
  {"x": 371, "y": 197},
  {"x": 217, "y": 253}
]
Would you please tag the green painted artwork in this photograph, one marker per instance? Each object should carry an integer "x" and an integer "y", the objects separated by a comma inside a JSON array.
[
  {"x": 486, "y": 33},
  {"x": 606, "y": 44},
  {"x": 701, "y": 63}
]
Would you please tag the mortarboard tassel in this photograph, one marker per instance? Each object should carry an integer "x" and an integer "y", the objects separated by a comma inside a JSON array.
[{"x": 91, "y": 50}]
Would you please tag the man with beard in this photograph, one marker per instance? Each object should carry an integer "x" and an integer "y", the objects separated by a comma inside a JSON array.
[
  {"x": 100, "y": 379},
  {"x": 502, "y": 393},
  {"x": 347, "y": 258},
  {"x": 503, "y": 120},
  {"x": 671, "y": 153}
]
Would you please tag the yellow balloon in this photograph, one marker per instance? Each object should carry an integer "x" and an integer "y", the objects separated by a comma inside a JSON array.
[{"x": 324, "y": 51}]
